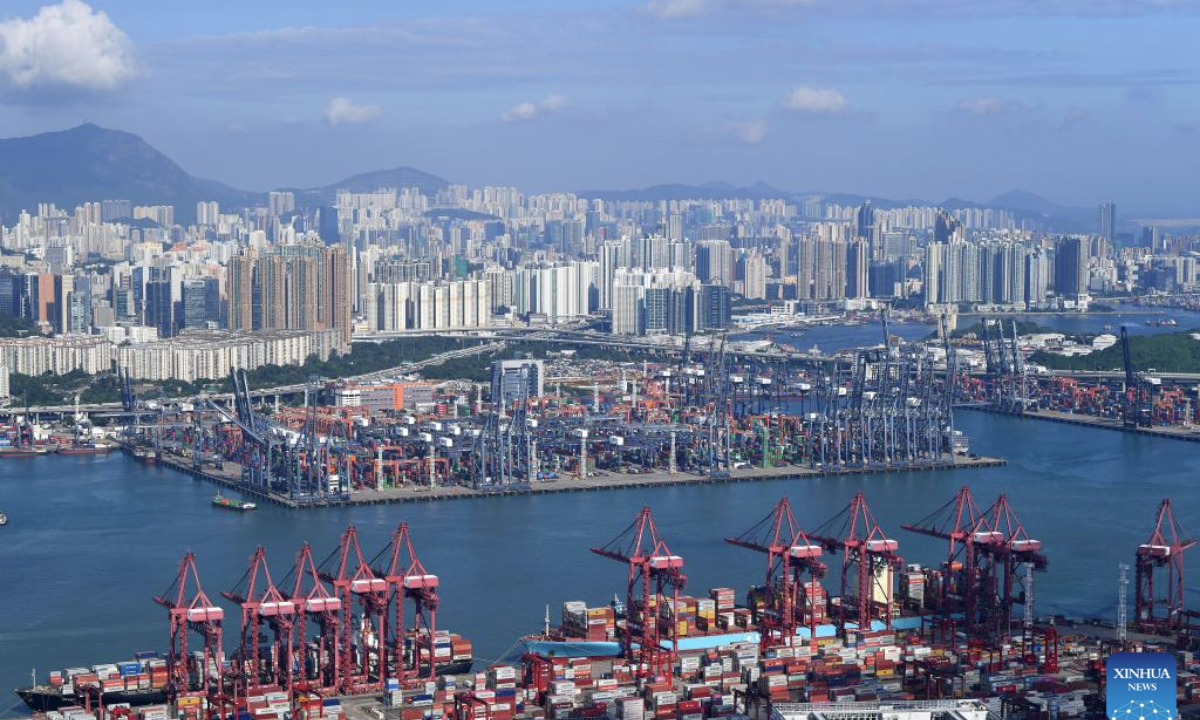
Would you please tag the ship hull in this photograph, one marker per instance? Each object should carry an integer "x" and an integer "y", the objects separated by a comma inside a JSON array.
[
  {"x": 48, "y": 699},
  {"x": 458, "y": 667},
  {"x": 571, "y": 648}
]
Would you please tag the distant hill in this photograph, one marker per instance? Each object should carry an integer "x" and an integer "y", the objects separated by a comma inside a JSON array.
[
  {"x": 400, "y": 177},
  {"x": 681, "y": 191},
  {"x": 1054, "y": 216},
  {"x": 88, "y": 162}
]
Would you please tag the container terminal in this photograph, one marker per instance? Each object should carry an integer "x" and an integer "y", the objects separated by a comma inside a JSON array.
[
  {"x": 1134, "y": 399},
  {"x": 710, "y": 415},
  {"x": 842, "y": 625}
]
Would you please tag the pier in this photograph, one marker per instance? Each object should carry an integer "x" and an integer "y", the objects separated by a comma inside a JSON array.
[
  {"x": 1170, "y": 432},
  {"x": 230, "y": 477}
]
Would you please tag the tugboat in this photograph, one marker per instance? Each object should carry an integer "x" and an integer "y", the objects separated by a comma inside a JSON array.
[
  {"x": 145, "y": 455},
  {"x": 232, "y": 503}
]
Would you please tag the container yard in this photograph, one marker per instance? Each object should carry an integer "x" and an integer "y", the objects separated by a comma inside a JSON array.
[
  {"x": 842, "y": 623},
  {"x": 710, "y": 416},
  {"x": 1136, "y": 401}
]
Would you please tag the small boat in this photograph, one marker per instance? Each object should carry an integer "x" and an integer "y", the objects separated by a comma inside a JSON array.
[
  {"x": 145, "y": 455},
  {"x": 3, "y": 519},
  {"x": 17, "y": 452},
  {"x": 233, "y": 503}
]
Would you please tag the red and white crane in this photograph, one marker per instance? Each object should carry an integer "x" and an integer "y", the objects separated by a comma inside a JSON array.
[
  {"x": 191, "y": 610},
  {"x": 262, "y": 604},
  {"x": 869, "y": 560},
  {"x": 408, "y": 579},
  {"x": 315, "y": 603},
  {"x": 348, "y": 571},
  {"x": 1161, "y": 555},
  {"x": 791, "y": 557},
  {"x": 654, "y": 572}
]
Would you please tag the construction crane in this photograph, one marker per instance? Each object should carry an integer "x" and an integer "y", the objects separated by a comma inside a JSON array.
[
  {"x": 791, "y": 556},
  {"x": 408, "y": 580},
  {"x": 262, "y": 604},
  {"x": 869, "y": 558},
  {"x": 191, "y": 610},
  {"x": 350, "y": 575},
  {"x": 1162, "y": 552},
  {"x": 654, "y": 571}
]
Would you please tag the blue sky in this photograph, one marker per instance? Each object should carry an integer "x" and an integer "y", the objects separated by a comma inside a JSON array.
[{"x": 1080, "y": 100}]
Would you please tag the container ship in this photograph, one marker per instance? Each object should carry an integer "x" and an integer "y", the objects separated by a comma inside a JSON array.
[
  {"x": 15, "y": 453},
  {"x": 137, "y": 682},
  {"x": 703, "y": 624},
  {"x": 142, "y": 682},
  {"x": 85, "y": 449},
  {"x": 233, "y": 504}
]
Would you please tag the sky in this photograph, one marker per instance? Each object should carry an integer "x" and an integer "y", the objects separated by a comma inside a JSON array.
[{"x": 1081, "y": 101}]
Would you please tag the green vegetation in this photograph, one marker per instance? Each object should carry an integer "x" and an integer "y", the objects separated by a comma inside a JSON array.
[
  {"x": 11, "y": 326},
  {"x": 1024, "y": 327},
  {"x": 50, "y": 389},
  {"x": 477, "y": 368},
  {"x": 1173, "y": 352},
  {"x": 363, "y": 358}
]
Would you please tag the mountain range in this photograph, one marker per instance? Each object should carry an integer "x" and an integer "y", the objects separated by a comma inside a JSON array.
[
  {"x": 1023, "y": 205},
  {"x": 88, "y": 162}
]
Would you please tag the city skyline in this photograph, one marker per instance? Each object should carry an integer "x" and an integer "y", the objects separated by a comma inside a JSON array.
[{"x": 922, "y": 99}]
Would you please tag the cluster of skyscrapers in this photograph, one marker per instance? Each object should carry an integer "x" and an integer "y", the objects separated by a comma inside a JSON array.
[{"x": 404, "y": 259}]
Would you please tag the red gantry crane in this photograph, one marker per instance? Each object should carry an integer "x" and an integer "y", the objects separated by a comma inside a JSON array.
[
  {"x": 191, "y": 610},
  {"x": 653, "y": 572},
  {"x": 263, "y": 604},
  {"x": 868, "y": 561},
  {"x": 408, "y": 580},
  {"x": 1163, "y": 551},
  {"x": 987, "y": 551},
  {"x": 791, "y": 556},
  {"x": 316, "y": 603},
  {"x": 351, "y": 577},
  {"x": 957, "y": 522},
  {"x": 1012, "y": 550}
]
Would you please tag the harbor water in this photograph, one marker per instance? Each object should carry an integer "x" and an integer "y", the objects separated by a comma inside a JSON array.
[{"x": 91, "y": 539}]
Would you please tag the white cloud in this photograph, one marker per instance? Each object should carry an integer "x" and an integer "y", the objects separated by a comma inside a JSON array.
[
  {"x": 68, "y": 45},
  {"x": 343, "y": 111},
  {"x": 983, "y": 106},
  {"x": 527, "y": 110},
  {"x": 555, "y": 103},
  {"x": 815, "y": 100},
  {"x": 676, "y": 9},
  {"x": 750, "y": 132},
  {"x": 520, "y": 111},
  {"x": 680, "y": 9}
]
